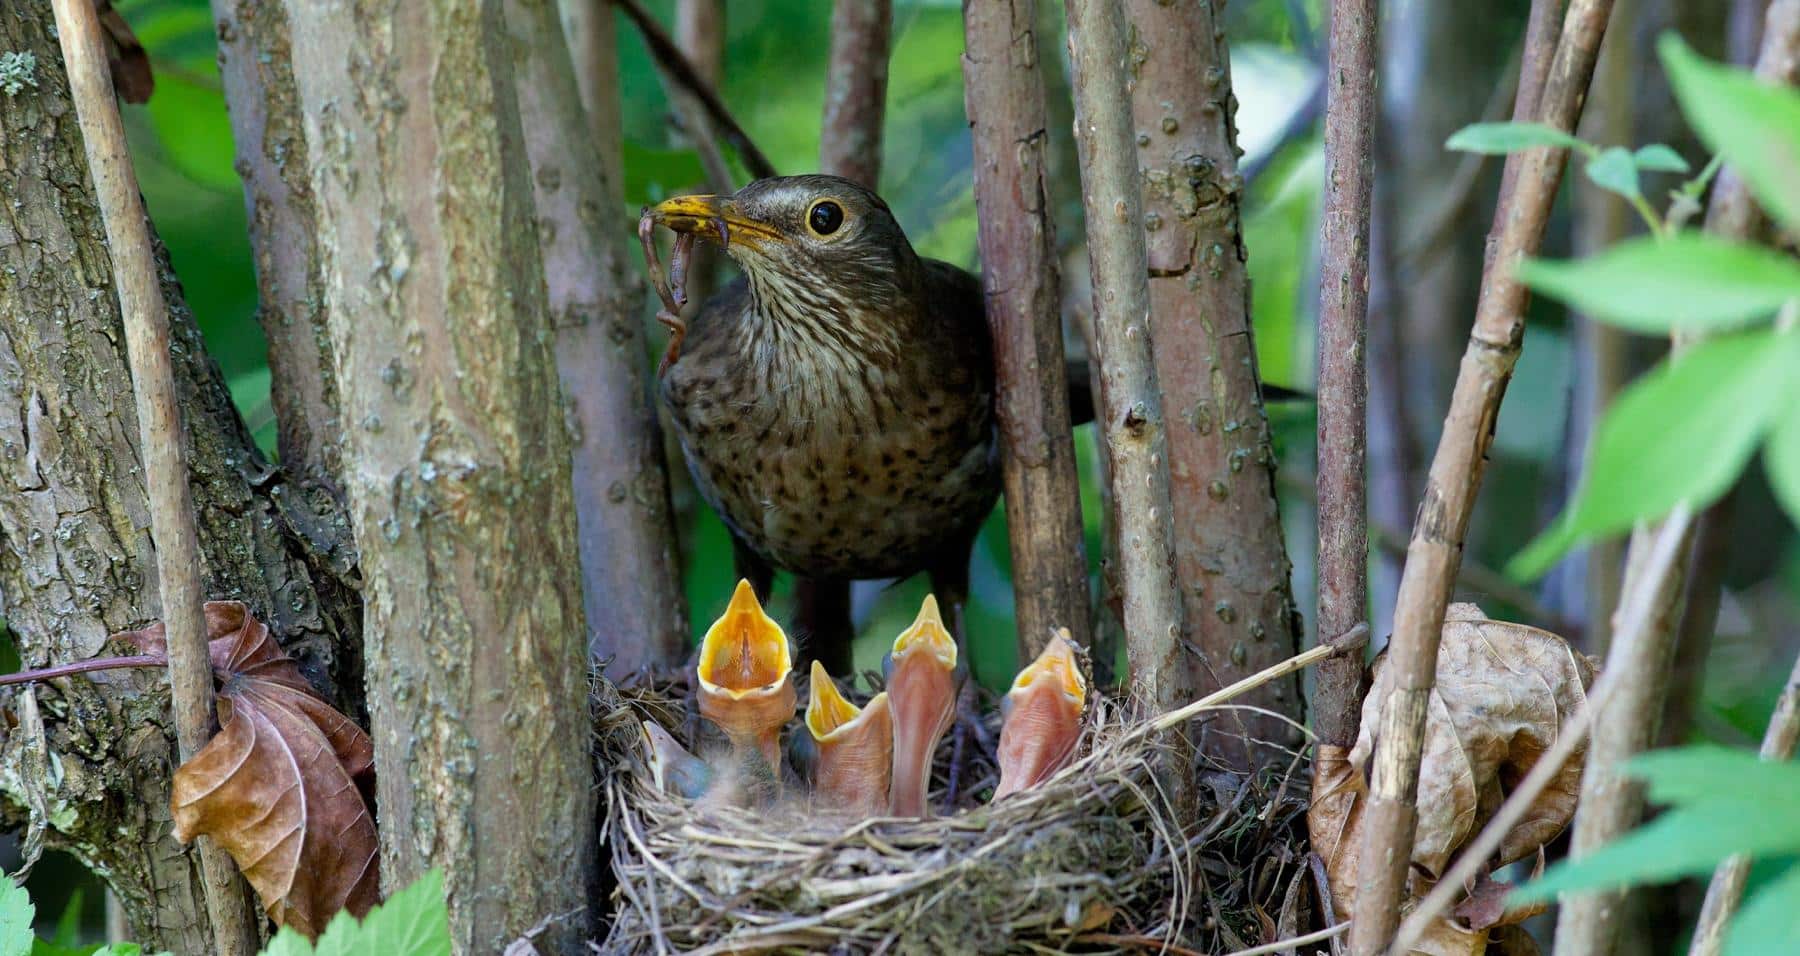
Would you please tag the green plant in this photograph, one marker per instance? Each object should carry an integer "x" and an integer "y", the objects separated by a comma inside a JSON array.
[
  {"x": 1685, "y": 431},
  {"x": 413, "y": 922}
]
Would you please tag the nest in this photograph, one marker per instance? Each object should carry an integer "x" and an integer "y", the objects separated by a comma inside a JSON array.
[{"x": 1103, "y": 857}]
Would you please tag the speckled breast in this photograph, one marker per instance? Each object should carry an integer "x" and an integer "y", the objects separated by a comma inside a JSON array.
[{"x": 855, "y": 475}]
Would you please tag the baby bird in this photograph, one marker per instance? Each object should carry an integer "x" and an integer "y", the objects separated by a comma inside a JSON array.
[
  {"x": 1043, "y": 718},
  {"x": 921, "y": 686},
  {"x": 855, "y": 749},
  {"x": 746, "y": 681}
]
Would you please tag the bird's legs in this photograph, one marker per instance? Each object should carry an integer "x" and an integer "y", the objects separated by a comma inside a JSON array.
[
  {"x": 822, "y": 622},
  {"x": 751, "y": 567},
  {"x": 949, "y": 574}
]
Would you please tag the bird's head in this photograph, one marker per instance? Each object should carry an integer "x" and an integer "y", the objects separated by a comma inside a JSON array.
[{"x": 810, "y": 245}]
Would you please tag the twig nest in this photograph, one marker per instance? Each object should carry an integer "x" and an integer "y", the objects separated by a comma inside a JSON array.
[{"x": 1094, "y": 857}]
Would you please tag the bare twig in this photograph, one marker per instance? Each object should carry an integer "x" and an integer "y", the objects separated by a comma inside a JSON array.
[
  {"x": 1727, "y": 886},
  {"x": 1130, "y": 414},
  {"x": 668, "y": 57},
  {"x": 856, "y": 90},
  {"x": 1544, "y": 28},
  {"x": 1005, "y": 102},
  {"x": 1455, "y": 477},
  {"x": 84, "y": 667},
  {"x": 1350, "y": 123},
  {"x": 163, "y": 440},
  {"x": 1662, "y": 562},
  {"x": 700, "y": 36}
]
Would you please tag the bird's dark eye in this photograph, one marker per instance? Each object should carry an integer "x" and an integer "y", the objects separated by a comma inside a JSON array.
[{"x": 825, "y": 217}]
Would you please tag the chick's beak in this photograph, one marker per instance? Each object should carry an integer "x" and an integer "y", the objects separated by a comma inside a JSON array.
[
  {"x": 745, "y": 675},
  {"x": 1043, "y": 718},
  {"x": 672, "y": 768},
  {"x": 714, "y": 216},
  {"x": 922, "y": 694},
  {"x": 855, "y": 748}
]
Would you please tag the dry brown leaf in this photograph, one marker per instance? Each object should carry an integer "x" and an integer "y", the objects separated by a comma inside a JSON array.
[
  {"x": 1503, "y": 693},
  {"x": 276, "y": 787}
]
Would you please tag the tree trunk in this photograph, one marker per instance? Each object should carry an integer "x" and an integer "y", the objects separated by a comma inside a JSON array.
[
  {"x": 1229, "y": 554},
  {"x": 1005, "y": 103},
  {"x": 635, "y": 609},
  {"x": 856, "y": 90},
  {"x": 75, "y": 556},
  {"x": 458, "y": 456}
]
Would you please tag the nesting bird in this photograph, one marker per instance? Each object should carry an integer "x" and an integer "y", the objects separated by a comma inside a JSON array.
[
  {"x": 835, "y": 404},
  {"x": 922, "y": 684},
  {"x": 746, "y": 681},
  {"x": 1042, "y": 718},
  {"x": 855, "y": 749}
]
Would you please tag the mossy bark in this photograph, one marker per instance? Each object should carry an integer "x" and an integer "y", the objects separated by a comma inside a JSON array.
[{"x": 75, "y": 554}]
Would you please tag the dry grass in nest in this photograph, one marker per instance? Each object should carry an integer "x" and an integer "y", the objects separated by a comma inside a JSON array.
[{"x": 1099, "y": 858}]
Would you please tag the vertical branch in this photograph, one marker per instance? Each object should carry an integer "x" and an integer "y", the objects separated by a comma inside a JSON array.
[
  {"x": 591, "y": 31},
  {"x": 1454, "y": 479},
  {"x": 856, "y": 90},
  {"x": 633, "y": 600},
  {"x": 1005, "y": 103},
  {"x": 1129, "y": 414},
  {"x": 700, "y": 35},
  {"x": 1350, "y": 124},
  {"x": 163, "y": 441},
  {"x": 1611, "y": 803},
  {"x": 1727, "y": 887},
  {"x": 459, "y": 457},
  {"x": 1230, "y": 557}
]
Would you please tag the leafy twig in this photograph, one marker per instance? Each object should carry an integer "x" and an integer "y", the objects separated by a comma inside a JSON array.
[
  {"x": 1454, "y": 479},
  {"x": 163, "y": 442}
]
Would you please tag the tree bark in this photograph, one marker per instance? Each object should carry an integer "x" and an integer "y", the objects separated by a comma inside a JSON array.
[
  {"x": 1129, "y": 412},
  {"x": 856, "y": 90},
  {"x": 458, "y": 449},
  {"x": 1004, "y": 94},
  {"x": 76, "y": 562},
  {"x": 1455, "y": 478},
  {"x": 1239, "y": 615},
  {"x": 1351, "y": 119},
  {"x": 635, "y": 609}
]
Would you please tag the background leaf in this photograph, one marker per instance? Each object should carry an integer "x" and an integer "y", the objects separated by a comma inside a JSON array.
[
  {"x": 1782, "y": 459},
  {"x": 1755, "y": 125},
  {"x": 1660, "y": 159},
  {"x": 413, "y": 922},
  {"x": 1686, "y": 281},
  {"x": 1770, "y": 920},
  {"x": 1500, "y": 138},
  {"x": 1615, "y": 171},
  {"x": 1681, "y": 433},
  {"x": 16, "y": 914}
]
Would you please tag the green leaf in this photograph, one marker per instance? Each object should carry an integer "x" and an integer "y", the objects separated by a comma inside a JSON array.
[
  {"x": 1689, "y": 280},
  {"x": 1687, "y": 840},
  {"x": 1615, "y": 171},
  {"x": 1781, "y": 458},
  {"x": 1682, "y": 433},
  {"x": 1499, "y": 138},
  {"x": 413, "y": 922},
  {"x": 1770, "y": 920},
  {"x": 1754, "y": 124},
  {"x": 1658, "y": 158},
  {"x": 1685, "y": 775},
  {"x": 16, "y": 914},
  {"x": 68, "y": 925}
]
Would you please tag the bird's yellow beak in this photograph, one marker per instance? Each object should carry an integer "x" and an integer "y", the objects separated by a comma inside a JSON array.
[
  {"x": 745, "y": 669},
  {"x": 1043, "y": 718},
  {"x": 856, "y": 748},
  {"x": 922, "y": 693},
  {"x": 713, "y": 216}
]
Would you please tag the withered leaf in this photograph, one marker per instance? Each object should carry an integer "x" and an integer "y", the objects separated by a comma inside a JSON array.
[
  {"x": 1502, "y": 695},
  {"x": 276, "y": 787}
]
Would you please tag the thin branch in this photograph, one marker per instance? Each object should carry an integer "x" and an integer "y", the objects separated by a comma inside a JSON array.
[
  {"x": 1454, "y": 480},
  {"x": 1005, "y": 99},
  {"x": 1727, "y": 886},
  {"x": 163, "y": 441},
  {"x": 1662, "y": 563},
  {"x": 1130, "y": 414},
  {"x": 84, "y": 667},
  {"x": 856, "y": 90},
  {"x": 669, "y": 58},
  {"x": 1351, "y": 119}
]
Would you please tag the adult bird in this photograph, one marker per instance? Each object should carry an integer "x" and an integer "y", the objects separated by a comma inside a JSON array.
[{"x": 835, "y": 403}]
